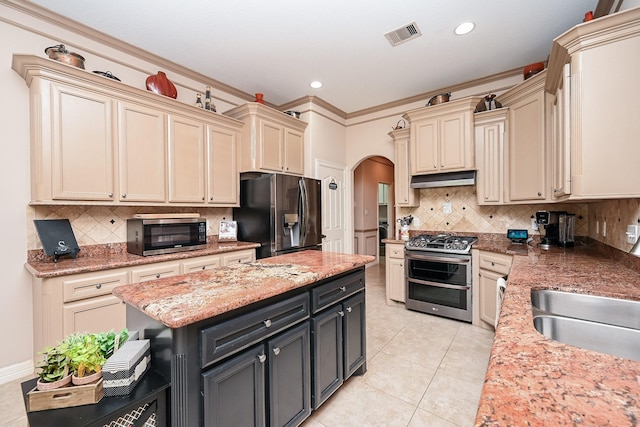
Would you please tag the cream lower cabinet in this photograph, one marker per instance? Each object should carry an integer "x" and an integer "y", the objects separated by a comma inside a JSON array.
[
  {"x": 395, "y": 273},
  {"x": 271, "y": 140},
  {"x": 526, "y": 151},
  {"x": 404, "y": 194},
  {"x": 442, "y": 138},
  {"x": 85, "y": 303},
  {"x": 492, "y": 266},
  {"x": 490, "y": 141}
]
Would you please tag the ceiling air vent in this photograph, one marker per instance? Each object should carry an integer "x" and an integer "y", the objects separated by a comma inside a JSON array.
[{"x": 403, "y": 34}]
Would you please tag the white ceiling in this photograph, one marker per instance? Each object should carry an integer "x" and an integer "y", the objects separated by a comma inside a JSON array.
[{"x": 278, "y": 47}]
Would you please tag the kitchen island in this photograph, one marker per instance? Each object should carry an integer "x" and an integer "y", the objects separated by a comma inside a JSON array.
[
  {"x": 534, "y": 381},
  {"x": 258, "y": 343}
]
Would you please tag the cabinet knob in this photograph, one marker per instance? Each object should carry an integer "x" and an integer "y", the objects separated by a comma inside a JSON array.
[
  {"x": 435, "y": 166},
  {"x": 343, "y": 289},
  {"x": 492, "y": 263},
  {"x": 276, "y": 351},
  {"x": 267, "y": 323},
  {"x": 486, "y": 197},
  {"x": 211, "y": 199},
  {"x": 341, "y": 313},
  {"x": 539, "y": 194},
  {"x": 203, "y": 198},
  {"x": 99, "y": 285},
  {"x": 110, "y": 194},
  {"x": 262, "y": 358},
  {"x": 349, "y": 309},
  {"x": 158, "y": 276},
  {"x": 204, "y": 267},
  {"x": 124, "y": 196}
]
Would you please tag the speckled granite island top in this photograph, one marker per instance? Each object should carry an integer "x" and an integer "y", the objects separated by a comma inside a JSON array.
[
  {"x": 535, "y": 381},
  {"x": 182, "y": 300}
]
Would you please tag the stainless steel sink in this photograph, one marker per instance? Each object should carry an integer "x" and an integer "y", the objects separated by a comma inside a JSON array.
[{"x": 606, "y": 325}]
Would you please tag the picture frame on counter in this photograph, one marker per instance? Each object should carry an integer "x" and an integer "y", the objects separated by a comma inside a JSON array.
[{"x": 228, "y": 231}]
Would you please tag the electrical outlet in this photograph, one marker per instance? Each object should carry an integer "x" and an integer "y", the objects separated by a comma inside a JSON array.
[
  {"x": 446, "y": 208},
  {"x": 632, "y": 233},
  {"x": 534, "y": 225}
]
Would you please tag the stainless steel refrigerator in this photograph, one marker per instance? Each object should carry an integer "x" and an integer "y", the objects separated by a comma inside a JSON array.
[{"x": 281, "y": 212}]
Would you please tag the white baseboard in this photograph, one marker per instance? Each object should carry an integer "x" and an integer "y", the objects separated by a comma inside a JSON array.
[{"x": 19, "y": 370}]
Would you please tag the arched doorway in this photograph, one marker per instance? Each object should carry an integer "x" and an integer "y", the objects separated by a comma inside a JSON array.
[{"x": 373, "y": 201}]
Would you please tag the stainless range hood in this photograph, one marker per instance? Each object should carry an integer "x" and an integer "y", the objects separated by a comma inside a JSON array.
[{"x": 445, "y": 179}]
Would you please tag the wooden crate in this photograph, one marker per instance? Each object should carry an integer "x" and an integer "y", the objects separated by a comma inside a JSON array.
[{"x": 66, "y": 397}]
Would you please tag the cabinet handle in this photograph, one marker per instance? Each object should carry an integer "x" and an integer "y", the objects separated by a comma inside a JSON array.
[
  {"x": 110, "y": 194},
  {"x": 349, "y": 309},
  {"x": 492, "y": 263},
  {"x": 343, "y": 289},
  {"x": 99, "y": 285},
  {"x": 267, "y": 323},
  {"x": 204, "y": 267},
  {"x": 158, "y": 276},
  {"x": 203, "y": 198},
  {"x": 539, "y": 194},
  {"x": 124, "y": 196},
  {"x": 486, "y": 197},
  {"x": 276, "y": 351},
  {"x": 435, "y": 166},
  {"x": 262, "y": 358},
  {"x": 341, "y": 313},
  {"x": 211, "y": 199}
]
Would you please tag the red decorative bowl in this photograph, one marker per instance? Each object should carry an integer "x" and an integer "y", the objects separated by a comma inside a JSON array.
[
  {"x": 533, "y": 69},
  {"x": 160, "y": 84}
]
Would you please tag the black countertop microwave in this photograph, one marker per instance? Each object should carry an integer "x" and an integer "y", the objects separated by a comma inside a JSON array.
[{"x": 165, "y": 235}]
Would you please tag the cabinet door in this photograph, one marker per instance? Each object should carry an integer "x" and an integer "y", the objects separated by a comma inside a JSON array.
[
  {"x": 270, "y": 150},
  {"x": 234, "y": 391},
  {"x": 490, "y": 152},
  {"x": 222, "y": 188},
  {"x": 424, "y": 138},
  {"x": 405, "y": 195},
  {"x": 326, "y": 354},
  {"x": 289, "y": 366},
  {"x": 141, "y": 135},
  {"x": 452, "y": 142},
  {"x": 94, "y": 315},
  {"x": 488, "y": 291},
  {"x": 395, "y": 279},
  {"x": 354, "y": 337},
  {"x": 186, "y": 160},
  {"x": 82, "y": 145},
  {"x": 527, "y": 179},
  {"x": 561, "y": 136},
  {"x": 293, "y": 152}
]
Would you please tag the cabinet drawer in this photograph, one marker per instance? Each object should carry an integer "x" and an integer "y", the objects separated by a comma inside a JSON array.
[
  {"x": 92, "y": 285},
  {"x": 395, "y": 250},
  {"x": 157, "y": 271},
  {"x": 230, "y": 336},
  {"x": 324, "y": 295},
  {"x": 201, "y": 263},
  {"x": 239, "y": 257},
  {"x": 495, "y": 262}
]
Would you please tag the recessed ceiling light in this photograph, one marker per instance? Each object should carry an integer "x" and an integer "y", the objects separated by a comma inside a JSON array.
[
  {"x": 316, "y": 84},
  {"x": 464, "y": 28}
]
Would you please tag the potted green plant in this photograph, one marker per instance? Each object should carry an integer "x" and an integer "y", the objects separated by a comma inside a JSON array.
[
  {"x": 110, "y": 341},
  {"x": 54, "y": 369},
  {"x": 85, "y": 357}
]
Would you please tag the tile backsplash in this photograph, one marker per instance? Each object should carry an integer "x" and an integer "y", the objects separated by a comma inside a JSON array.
[{"x": 93, "y": 225}]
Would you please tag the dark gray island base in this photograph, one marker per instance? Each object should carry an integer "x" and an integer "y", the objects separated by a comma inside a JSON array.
[{"x": 267, "y": 363}]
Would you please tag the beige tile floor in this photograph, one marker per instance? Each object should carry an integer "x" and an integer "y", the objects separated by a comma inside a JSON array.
[{"x": 422, "y": 371}]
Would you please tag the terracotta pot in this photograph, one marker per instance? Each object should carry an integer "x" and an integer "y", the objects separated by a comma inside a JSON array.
[
  {"x": 160, "y": 84},
  {"x": 533, "y": 69},
  {"x": 87, "y": 379},
  {"x": 260, "y": 98},
  {"x": 63, "y": 382}
]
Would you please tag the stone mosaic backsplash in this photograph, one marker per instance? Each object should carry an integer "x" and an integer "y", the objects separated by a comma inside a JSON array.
[{"x": 93, "y": 225}]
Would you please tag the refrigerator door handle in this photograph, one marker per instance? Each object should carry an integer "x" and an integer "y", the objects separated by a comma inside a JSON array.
[{"x": 304, "y": 208}]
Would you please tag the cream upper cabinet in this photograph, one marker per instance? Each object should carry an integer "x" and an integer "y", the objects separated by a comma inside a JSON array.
[
  {"x": 441, "y": 137},
  {"x": 142, "y": 135},
  {"x": 98, "y": 141},
  {"x": 603, "y": 107},
  {"x": 222, "y": 155},
  {"x": 186, "y": 160},
  {"x": 77, "y": 139},
  {"x": 490, "y": 141},
  {"x": 271, "y": 140},
  {"x": 558, "y": 110},
  {"x": 526, "y": 152},
  {"x": 404, "y": 194}
]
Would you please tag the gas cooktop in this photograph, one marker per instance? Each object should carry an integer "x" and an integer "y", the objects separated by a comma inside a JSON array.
[{"x": 441, "y": 243}]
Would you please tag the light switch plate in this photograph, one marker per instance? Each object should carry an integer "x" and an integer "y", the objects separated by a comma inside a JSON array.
[{"x": 446, "y": 208}]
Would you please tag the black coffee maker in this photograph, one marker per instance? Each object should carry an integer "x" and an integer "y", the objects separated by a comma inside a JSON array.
[{"x": 559, "y": 228}]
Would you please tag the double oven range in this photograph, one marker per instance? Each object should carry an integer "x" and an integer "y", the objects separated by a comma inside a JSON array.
[{"x": 438, "y": 275}]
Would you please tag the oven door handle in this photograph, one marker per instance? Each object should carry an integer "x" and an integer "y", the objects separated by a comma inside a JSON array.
[
  {"x": 439, "y": 285},
  {"x": 448, "y": 260}
]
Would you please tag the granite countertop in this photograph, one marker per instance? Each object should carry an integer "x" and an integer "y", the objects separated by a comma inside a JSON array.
[
  {"x": 534, "y": 381},
  {"x": 103, "y": 257},
  {"x": 182, "y": 300}
]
